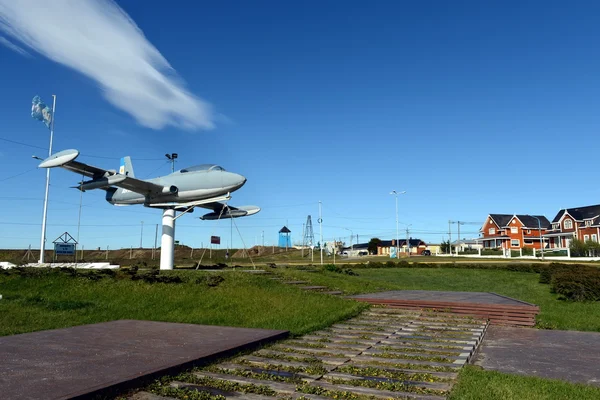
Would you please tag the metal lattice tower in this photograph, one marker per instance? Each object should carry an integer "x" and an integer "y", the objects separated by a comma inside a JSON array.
[{"x": 309, "y": 236}]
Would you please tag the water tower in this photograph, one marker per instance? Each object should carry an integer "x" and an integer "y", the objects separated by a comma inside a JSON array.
[{"x": 284, "y": 237}]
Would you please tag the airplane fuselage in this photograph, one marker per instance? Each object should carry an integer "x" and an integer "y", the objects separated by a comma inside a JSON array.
[{"x": 182, "y": 186}]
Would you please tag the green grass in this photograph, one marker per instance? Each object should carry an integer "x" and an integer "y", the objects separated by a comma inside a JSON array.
[
  {"x": 58, "y": 301},
  {"x": 474, "y": 384},
  {"x": 554, "y": 313}
]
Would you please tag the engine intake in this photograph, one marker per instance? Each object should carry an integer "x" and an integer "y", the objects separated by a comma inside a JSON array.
[{"x": 170, "y": 190}]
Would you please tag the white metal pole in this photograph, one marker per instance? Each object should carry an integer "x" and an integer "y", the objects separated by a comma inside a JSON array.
[
  {"x": 45, "y": 213},
  {"x": 141, "y": 235},
  {"x": 397, "y": 236},
  {"x": 321, "y": 231},
  {"x": 167, "y": 243},
  {"x": 155, "y": 236},
  {"x": 79, "y": 220}
]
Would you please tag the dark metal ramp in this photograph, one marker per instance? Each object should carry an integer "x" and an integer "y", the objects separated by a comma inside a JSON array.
[
  {"x": 100, "y": 359},
  {"x": 497, "y": 308}
]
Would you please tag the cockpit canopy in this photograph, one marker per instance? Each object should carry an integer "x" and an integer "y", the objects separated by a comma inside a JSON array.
[{"x": 202, "y": 167}]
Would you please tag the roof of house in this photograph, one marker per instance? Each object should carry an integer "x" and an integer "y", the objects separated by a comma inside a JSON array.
[
  {"x": 501, "y": 219},
  {"x": 466, "y": 241},
  {"x": 401, "y": 242},
  {"x": 358, "y": 246},
  {"x": 579, "y": 213},
  {"x": 531, "y": 222},
  {"x": 528, "y": 220},
  {"x": 284, "y": 230}
]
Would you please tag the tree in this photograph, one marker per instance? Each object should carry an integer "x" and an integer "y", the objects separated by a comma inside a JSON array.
[
  {"x": 445, "y": 247},
  {"x": 373, "y": 243},
  {"x": 593, "y": 248},
  {"x": 578, "y": 248}
]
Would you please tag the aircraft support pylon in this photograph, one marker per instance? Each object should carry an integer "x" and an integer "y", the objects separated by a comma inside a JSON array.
[{"x": 167, "y": 241}]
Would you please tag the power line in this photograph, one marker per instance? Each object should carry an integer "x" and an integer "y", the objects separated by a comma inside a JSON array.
[{"x": 82, "y": 154}]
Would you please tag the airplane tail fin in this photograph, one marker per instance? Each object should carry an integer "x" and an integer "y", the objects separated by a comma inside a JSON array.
[{"x": 126, "y": 167}]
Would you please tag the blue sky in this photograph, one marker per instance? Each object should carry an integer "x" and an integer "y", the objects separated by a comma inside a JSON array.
[{"x": 471, "y": 108}]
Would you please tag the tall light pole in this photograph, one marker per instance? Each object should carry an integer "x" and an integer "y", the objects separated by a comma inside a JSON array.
[
  {"x": 540, "y": 231},
  {"x": 396, "y": 194},
  {"x": 172, "y": 157}
]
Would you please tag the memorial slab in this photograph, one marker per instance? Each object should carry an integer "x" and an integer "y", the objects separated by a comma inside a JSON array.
[{"x": 101, "y": 359}]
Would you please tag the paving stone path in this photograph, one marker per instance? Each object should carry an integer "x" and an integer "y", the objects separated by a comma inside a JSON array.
[{"x": 381, "y": 354}]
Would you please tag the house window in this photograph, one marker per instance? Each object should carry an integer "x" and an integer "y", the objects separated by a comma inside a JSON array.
[
  {"x": 492, "y": 231},
  {"x": 555, "y": 226},
  {"x": 515, "y": 243},
  {"x": 568, "y": 224},
  {"x": 594, "y": 237},
  {"x": 514, "y": 229},
  {"x": 528, "y": 231},
  {"x": 588, "y": 222},
  {"x": 586, "y": 238}
]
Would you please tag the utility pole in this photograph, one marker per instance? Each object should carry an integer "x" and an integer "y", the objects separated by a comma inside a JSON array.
[
  {"x": 458, "y": 243},
  {"x": 321, "y": 231},
  {"x": 172, "y": 158},
  {"x": 303, "y": 240},
  {"x": 142, "y": 235},
  {"x": 449, "y": 237},
  {"x": 407, "y": 241},
  {"x": 395, "y": 193}
]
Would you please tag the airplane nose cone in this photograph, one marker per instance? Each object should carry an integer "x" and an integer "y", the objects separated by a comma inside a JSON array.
[
  {"x": 242, "y": 181},
  {"x": 235, "y": 181}
]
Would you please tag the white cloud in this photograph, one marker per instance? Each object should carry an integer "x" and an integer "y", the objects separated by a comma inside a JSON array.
[
  {"x": 13, "y": 47},
  {"x": 98, "y": 39}
]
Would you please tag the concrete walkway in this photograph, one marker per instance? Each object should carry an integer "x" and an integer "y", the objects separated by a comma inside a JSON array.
[{"x": 568, "y": 355}]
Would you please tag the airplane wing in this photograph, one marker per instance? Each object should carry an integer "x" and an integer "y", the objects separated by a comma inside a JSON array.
[
  {"x": 101, "y": 178},
  {"x": 221, "y": 211}
]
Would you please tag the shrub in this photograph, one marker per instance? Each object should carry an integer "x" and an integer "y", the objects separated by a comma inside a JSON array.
[
  {"x": 343, "y": 269},
  {"x": 548, "y": 271},
  {"x": 577, "y": 284}
]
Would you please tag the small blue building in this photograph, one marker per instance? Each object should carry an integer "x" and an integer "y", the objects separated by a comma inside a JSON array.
[{"x": 285, "y": 239}]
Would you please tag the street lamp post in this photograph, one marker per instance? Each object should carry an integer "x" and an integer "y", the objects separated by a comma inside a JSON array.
[
  {"x": 396, "y": 194},
  {"x": 540, "y": 232},
  {"x": 172, "y": 157}
]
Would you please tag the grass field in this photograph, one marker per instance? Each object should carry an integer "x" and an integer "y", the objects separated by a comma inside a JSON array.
[
  {"x": 476, "y": 384},
  {"x": 242, "y": 299},
  {"x": 58, "y": 301},
  {"x": 554, "y": 313}
]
